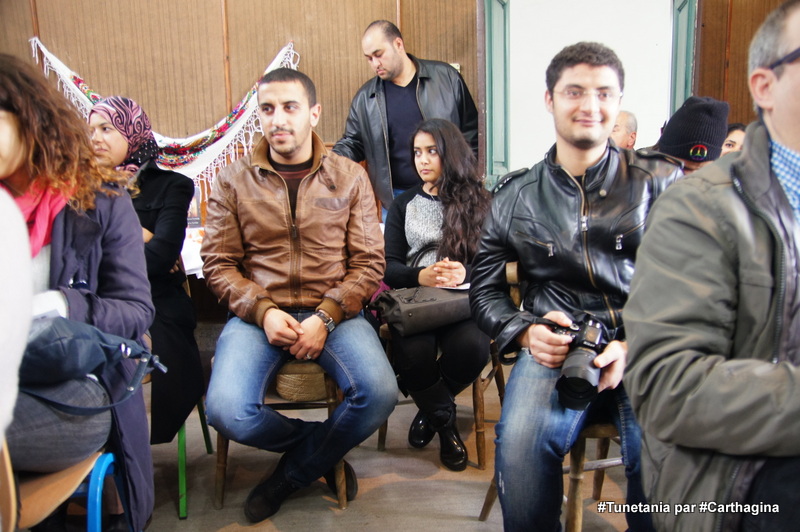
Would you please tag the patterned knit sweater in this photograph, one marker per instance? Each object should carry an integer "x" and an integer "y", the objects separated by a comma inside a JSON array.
[{"x": 413, "y": 223}]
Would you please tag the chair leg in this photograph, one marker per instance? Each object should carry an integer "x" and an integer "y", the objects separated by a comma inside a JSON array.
[
  {"x": 499, "y": 377},
  {"x": 382, "y": 435},
  {"x": 341, "y": 484},
  {"x": 204, "y": 426},
  {"x": 479, "y": 413},
  {"x": 94, "y": 496},
  {"x": 488, "y": 502},
  {"x": 182, "y": 513},
  {"x": 600, "y": 474},
  {"x": 577, "y": 456},
  {"x": 222, "y": 469},
  {"x": 333, "y": 401}
]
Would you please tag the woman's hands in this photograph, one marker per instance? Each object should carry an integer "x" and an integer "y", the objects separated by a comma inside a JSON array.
[{"x": 445, "y": 273}]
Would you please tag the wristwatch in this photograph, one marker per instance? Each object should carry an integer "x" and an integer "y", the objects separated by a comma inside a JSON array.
[{"x": 330, "y": 325}]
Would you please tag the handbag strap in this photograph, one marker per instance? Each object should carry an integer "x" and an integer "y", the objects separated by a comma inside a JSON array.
[
  {"x": 427, "y": 248},
  {"x": 145, "y": 361}
]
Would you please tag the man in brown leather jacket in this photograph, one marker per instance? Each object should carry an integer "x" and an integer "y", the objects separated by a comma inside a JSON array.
[
  {"x": 713, "y": 319},
  {"x": 573, "y": 222},
  {"x": 294, "y": 248}
]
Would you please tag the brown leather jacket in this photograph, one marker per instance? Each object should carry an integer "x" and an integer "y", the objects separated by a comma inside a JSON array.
[{"x": 256, "y": 257}]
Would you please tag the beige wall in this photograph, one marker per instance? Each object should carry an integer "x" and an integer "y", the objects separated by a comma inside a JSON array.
[{"x": 170, "y": 56}]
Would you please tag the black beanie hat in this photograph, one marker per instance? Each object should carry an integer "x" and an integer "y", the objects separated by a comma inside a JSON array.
[{"x": 697, "y": 130}]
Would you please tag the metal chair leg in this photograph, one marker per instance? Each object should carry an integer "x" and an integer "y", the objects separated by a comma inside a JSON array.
[
  {"x": 182, "y": 512},
  {"x": 204, "y": 426}
]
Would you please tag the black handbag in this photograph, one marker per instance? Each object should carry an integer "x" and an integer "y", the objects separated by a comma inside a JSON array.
[
  {"x": 422, "y": 308},
  {"x": 60, "y": 349}
]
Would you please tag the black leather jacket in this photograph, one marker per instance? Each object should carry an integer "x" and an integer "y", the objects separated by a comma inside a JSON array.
[
  {"x": 441, "y": 93},
  {"x": 575, "y": 240}
]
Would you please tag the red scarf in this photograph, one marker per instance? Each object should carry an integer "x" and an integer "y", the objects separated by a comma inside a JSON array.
[{"x": 39, "y": 208}]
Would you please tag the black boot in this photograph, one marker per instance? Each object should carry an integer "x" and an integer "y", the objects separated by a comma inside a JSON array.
[
  {"x": 452, "y": 451},
  {"x": 420, "y": 432},
  {"x": 454, "y": 387},
  {"x": 438, "y": 406},
  {"x": 266, "y": 498}
]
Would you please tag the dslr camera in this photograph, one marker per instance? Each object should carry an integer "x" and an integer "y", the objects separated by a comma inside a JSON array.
[{"x": 577, "y": 385}]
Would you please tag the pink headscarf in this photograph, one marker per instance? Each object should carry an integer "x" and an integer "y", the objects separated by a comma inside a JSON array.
[{"x": 130, "y": 120}]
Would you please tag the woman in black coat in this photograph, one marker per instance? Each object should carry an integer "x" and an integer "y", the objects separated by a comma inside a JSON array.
[
  {"x": 432, "y": 233},
  {"x": 123, "y": 138}
]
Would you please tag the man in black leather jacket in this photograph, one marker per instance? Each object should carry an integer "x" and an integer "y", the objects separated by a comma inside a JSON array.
[
  {"x": 573, "y": 222},
  {"x": 387, "y": 109}
]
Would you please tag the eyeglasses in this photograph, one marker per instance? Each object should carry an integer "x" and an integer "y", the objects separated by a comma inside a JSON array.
[
  {"x": 786, "y": 59},
  {"x": 603, "y": 95}
]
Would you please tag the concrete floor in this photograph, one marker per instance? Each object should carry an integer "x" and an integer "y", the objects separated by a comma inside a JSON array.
[{"x": 400, "y": 489}]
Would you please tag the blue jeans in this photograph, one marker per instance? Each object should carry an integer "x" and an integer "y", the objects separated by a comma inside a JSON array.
[
  {"x": 535, "y": 433},
  {"x": 245, "y": 363}
]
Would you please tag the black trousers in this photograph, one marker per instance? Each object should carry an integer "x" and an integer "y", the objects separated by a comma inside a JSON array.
[{"x": 464, "y": 353}]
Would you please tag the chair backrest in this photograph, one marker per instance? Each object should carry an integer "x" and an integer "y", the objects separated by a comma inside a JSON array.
[
  {"x": 514, "y": 279},
  {"x": 8, "y": 492}
]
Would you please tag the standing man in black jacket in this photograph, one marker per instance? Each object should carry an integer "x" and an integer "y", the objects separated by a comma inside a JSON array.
[
  {"x": 383, "y": 115},
  {"x": 574, "y": 222}
]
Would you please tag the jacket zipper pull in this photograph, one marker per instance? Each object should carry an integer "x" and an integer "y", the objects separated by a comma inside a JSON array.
[
  {"x": 584, "y": 223},
  {"x": 550, "y": 250},
  {"x": 619, "y": 243},
  {"x": 294, "y": 232}
]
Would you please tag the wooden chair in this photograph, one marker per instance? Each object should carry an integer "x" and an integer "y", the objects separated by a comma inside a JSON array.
[
  {"x": 41, "y": 494},
  {"x": 332, "y": 400},
  {"x": 478, "y": 388},
  {"x": 603, "y": 432}
]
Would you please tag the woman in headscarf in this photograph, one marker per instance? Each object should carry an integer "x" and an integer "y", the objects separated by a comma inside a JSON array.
[
  {"x": 87, "y": 266},
  {"x": 123, "y": 139}
]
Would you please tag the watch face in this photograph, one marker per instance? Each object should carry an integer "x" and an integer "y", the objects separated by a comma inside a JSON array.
[{"x": 330, "y": 325}]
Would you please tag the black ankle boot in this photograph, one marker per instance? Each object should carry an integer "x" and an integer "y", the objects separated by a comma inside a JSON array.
[
  {"x": 420, "y": 432},
  {"x": 266, "y": 498},
  {"x": 436, "y": 403},
  {"x": 452, "y": 451}
]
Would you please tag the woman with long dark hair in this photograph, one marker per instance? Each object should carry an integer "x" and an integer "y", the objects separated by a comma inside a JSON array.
[
  {"x": 432, "y": 233},
  {"x": 123, "y": 139},
  {"x": 88, "y": 265}
]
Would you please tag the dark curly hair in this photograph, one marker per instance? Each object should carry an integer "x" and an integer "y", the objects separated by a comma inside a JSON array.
[
  {"x": 590, "y": 53},
  {"x": 59, "y": 152},
  {"x": 289, "y": 75},
  {"x": 461, "y": 191}
]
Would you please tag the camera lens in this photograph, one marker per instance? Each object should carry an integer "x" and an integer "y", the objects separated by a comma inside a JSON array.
[{"x": 577, "y": 385}]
